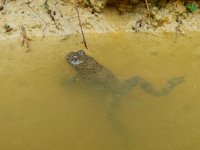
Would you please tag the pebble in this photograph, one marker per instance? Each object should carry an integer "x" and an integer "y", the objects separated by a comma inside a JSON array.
[
  {"x": 1, "y": 7},
  {"x": 180, "y": 9}
]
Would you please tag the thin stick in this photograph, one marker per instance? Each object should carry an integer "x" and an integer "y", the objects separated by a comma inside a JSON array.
[
  {"x": 149, "y": 12},
  {"x": 49, "y": 12},
  {"x": 79, "y": 19}
]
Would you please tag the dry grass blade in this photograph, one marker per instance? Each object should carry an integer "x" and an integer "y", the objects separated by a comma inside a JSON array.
[
  {"x": 25, "y": 39},
  {"x": 149, "y": 11}
]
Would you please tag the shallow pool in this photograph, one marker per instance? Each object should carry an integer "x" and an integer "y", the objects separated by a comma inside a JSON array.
[{"x": 40, "y": 111}]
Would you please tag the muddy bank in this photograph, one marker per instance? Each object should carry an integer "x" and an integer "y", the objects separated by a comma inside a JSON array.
[{"x": 60, "y": 18}]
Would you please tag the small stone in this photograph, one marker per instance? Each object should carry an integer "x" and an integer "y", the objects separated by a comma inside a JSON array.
[
  {"x": 180, "y": 9},
  {"x": 154, "y": 24},
  {"x": 1, "y": 7},
  {"x": 36, "y": 26},
  {"x": 7, "y": 28},
  {"x": 27, "y": 2},
  {"x": 184, "y": 15}
]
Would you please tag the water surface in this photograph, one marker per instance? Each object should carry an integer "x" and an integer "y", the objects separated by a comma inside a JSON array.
[{"x": 38, "y": 111}]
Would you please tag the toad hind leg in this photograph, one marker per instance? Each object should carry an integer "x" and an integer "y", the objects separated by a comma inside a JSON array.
[{"x": 148, "y": 87}]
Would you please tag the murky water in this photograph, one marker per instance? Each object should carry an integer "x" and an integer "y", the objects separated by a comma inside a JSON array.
[{"x": 39, "y": 111}]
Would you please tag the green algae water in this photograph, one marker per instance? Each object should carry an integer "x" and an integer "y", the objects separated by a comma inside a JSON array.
[{"x": 39, "y": 111}]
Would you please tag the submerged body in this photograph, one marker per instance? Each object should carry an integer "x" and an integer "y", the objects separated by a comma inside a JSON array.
[
  {"x": 99, "y": 77},
  {"x": 91, "y": 71}
]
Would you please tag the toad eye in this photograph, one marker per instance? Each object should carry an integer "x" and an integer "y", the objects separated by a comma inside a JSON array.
[{"x": 81, "y": 53}]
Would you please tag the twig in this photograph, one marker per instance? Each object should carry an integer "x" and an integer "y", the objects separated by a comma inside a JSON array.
[
  {"x": 79, "y": 19},
  {"x": 25, "y": 39},
  {"x": 147, "y": 5},
  {"x": 43, "y": 31},
  {"x": 49, "y": 12},
  {"x": 149, "y": 12}
]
